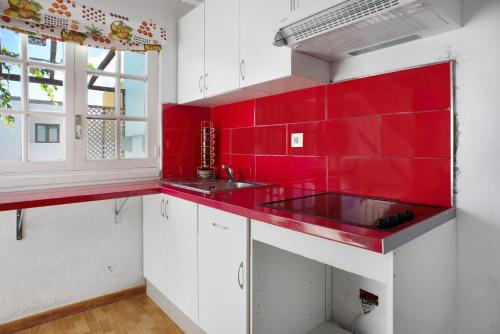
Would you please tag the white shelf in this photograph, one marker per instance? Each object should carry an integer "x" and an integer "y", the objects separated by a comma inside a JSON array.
[{"x": 328, "y": 328}]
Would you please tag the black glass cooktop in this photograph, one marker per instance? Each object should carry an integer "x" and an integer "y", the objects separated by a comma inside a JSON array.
[{"x": 356, "y": 210}]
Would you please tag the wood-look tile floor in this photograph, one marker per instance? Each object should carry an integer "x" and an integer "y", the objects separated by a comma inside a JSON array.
[{"x": 138, "y": 315}]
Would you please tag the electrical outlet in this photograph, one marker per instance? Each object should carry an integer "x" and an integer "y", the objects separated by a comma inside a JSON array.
[{"x": 297, "y": 140}]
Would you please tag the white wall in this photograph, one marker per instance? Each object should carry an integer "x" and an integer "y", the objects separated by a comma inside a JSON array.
[
  {"x": 69, "y": 253},
  {"x": 476, "y": 48}
]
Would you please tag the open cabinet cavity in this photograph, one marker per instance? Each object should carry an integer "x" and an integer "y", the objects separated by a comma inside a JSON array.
[
  {"x": 302, "y": 284},
  {"x": 296, "y": 295}
]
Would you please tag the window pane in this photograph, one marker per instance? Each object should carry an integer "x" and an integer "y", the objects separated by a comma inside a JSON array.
[
  {"x": 133, "y": 63},
  {"x": 133, "y": 139},
  {"x": 45, "y": 50},
  {"x": 10, "y": 86},
  {"x": 133, "y": 98},
  {"x": 40, "y": 133},
  {"x": 54, "y": 135},
  {"x": 9, "y": 42},
  {"x": 101, "y": 95},
  {"x": 101, "y": 139},
  {"x": 101, "y": 59},
  {"x": 11, "y": 138},
  {"x": 40, "y": 149},
  {"x": 46, "y": 89}
]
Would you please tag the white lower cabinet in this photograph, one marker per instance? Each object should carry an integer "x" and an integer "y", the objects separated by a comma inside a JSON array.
[
  {"x": 223, "y": 272},
  {"x": 171, "y": 250},
  {"x": 154, "y": 245}
]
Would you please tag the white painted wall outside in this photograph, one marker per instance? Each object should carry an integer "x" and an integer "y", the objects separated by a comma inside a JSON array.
[
  {"x": 69, "y": 253},
  {"x": 476, "y": 49}
]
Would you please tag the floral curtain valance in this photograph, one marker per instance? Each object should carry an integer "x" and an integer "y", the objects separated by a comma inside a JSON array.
[{"x": 67, "y": 20}]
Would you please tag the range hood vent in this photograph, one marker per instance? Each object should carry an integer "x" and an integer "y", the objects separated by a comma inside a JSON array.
[{"x": 338, "y": 29}]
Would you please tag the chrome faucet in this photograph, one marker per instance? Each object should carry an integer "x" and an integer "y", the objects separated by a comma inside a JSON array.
[{"x": 229, "y": 172}]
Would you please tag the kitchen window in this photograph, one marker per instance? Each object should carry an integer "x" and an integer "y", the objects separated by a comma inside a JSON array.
[
  {"x": 70, "y": 107},
  {"x": 35, "y": 88}
]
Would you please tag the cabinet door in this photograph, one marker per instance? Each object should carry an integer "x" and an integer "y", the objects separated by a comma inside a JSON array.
[
  {"x": 261, "y": 61},
  {"x": 221, "y": 46},
  {"x": 306, "y": 3},
  {"x": 182, "y": 255},
  {"x": 191, "y": 55},
  {"x": 154, "y": 241},
  {"x": 223, "y": 279}
]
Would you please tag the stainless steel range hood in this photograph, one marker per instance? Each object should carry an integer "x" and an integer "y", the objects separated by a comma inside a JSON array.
[{"x": 336, "y": 29}]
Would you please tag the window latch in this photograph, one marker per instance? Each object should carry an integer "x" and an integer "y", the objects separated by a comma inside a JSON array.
[{"x": 78, "y": 127}]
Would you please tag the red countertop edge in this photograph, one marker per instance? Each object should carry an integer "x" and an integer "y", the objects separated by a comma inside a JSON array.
[{"x": 68, "y": 195}]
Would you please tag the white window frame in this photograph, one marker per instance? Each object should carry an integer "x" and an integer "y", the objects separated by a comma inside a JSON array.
[
  {"x": 68, "y": 117},
  {"x": 150, "y": 117},
  {"x": 34, "y": 173}
]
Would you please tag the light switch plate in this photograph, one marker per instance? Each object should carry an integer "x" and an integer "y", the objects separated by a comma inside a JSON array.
[{"x": 297, "y": 140}]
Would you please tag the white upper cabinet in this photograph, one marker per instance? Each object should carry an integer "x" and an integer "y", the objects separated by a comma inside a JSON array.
[
  {"x": 223, "y": 272},
  {"x": 261, "y": 61},
  {"x": 191, "y": 55},
  {"x": 240, "y": 61},
  {"x": 221, "y": 46}
]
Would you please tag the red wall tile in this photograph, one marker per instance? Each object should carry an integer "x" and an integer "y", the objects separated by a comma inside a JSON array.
[
  {"x": 270, "y": 140},
  {"x": 242, "y": 141},
  {"x": 420, "y": 89},
  {"x": 179, "y": 165},
  {"x": 301, "y": 172},
  {"x": 298, "y": 106},
  {"x": 358, "y": 136},
  {"x": 235, "y": 115},
  {"x": 184, "y": 117},
  {"x": 315, "y": 138},
  {"x": 223, "y": 141},
  {"x": 180, "y": 141},
  {"x": 424, "y": 134},
  {"x": 424, "y": 181},
  {"x": 243, "y": 166}
]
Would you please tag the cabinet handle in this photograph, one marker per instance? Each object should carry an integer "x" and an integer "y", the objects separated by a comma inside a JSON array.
[
  {"x": 199, "y": 83},
  {"x": 242, "y": 69},
  {"x": 162, "y": 208},
  {"x": 205, "y": 82},
  {"x": 220, "y": 226},
  {"x": 240, "y": 274},
  {"x": 166, "y": 209},
  {"x": 291, "y": 5}
]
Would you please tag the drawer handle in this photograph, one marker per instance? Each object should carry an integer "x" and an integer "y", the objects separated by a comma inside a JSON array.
[
  {"x": 222, "y": 227},
  {"x": 240, "y": 274},
  {"x": 166, "y": 209},
  {"x": 242, "y": 69}
]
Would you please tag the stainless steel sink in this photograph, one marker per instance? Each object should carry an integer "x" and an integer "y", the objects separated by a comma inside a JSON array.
[{"x": 208, "y": 186}]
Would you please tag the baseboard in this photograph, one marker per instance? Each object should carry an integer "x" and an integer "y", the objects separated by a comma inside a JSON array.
[{"x": 68, "y": 310}]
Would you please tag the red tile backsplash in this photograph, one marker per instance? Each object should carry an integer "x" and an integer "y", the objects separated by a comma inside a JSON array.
[
  {"x": 424, "y": 181},
  {"x": 302, "y": 172},
  {"x": 234, "y": 115},
  {"x": 270, "y": 140},
  {"x": 386, "y": 136},
  {"x": 420, "y": 89},
  {"x": 298, "y": 106},
  {"x": 183, "y": 117},
  {"x": 424, "y": 134}
]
